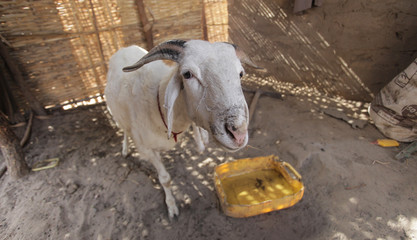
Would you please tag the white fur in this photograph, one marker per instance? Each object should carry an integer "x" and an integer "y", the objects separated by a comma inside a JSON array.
[{"x": 212, "y": 100}]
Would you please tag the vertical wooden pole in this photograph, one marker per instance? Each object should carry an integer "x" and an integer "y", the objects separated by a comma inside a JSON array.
[
  {"x": 14, "y": 69},
  {"x": 11, "y": 150},
  {"x": 100, "y": 46},
  {"x": 147, "y": 28},
  {"x": 204, "y": 21}
]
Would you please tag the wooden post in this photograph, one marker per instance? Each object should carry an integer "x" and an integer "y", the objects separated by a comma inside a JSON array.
[
  {"x": 12, "y": 152},
  {"x": 147, "y": 28},
  {"x": 100, "y": 46},
  {"x": 14, "y": 69},
  {"x": 204, "y": 20}
]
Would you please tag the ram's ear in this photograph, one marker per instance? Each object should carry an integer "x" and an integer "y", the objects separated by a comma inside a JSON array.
[
  {"x": 245, "y": 58},
  {"x": 171, "y": 94}
]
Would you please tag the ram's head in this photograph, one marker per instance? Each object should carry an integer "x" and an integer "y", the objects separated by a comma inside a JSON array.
[{"x": 209, "y": 75}]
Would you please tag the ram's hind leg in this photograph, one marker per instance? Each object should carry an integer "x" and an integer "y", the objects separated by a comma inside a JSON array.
[{"x": 164, "y": 179}]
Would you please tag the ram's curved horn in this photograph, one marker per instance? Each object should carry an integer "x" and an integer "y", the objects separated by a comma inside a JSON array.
[
  {"x": 169, "y": 50},
  {"x": 244, "y": 58}
]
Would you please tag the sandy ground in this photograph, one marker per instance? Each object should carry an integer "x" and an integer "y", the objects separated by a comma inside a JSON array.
[{"x": 354, "y": 189}]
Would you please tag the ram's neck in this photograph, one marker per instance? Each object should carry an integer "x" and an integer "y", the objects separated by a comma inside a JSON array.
[{"x": 181, "y": 120}]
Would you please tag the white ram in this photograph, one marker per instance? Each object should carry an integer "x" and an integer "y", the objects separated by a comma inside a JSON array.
[{"x": 153, "y": 99}]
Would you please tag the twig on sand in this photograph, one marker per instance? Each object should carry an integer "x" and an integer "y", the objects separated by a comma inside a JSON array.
[
  {"x": 382, "y": 163},
  {"x": 123, "y": 178},
  {"x": 133, "y": 181},
  {"x": 249, "y": 146}
]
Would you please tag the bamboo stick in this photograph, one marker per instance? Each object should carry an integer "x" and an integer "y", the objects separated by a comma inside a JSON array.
[
  {"x": 97, "y": 34},
  {"x": 147, "y": 28},
  {"x": 204, "y": 22}
]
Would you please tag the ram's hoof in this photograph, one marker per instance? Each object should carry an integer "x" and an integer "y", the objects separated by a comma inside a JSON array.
[{"x": 173, "y": 212}]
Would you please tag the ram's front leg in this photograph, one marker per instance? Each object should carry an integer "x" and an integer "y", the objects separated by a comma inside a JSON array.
[
  {"x": 125, "y": 148},
  {"x": 200, "y": 137},
  {"x": 165, "y": 180}
]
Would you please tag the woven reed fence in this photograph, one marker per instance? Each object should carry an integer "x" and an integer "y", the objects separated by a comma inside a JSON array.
[{"x": 63, "y": 46}]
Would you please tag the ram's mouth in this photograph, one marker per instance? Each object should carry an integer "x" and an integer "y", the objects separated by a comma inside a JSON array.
[
  {"x": 229, "y": 133},
  {"x": 227, "y": 140}
]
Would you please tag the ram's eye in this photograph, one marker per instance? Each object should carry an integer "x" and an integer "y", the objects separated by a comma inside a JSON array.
[
  {"x": 187, "y": 75},
  {"x": 241, "y": 74}
]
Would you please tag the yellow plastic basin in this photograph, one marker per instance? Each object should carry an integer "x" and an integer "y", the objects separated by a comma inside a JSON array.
[{"x": 252, "y": 186}]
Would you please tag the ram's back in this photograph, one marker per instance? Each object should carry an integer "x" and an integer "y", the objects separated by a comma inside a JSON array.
[{"x": 131, "y": 96}]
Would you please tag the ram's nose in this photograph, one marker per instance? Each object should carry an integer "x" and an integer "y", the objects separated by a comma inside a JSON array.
[{"x": 238, "y": 132}]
